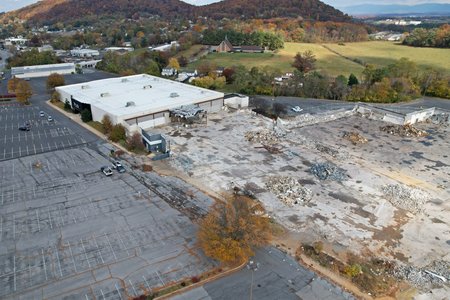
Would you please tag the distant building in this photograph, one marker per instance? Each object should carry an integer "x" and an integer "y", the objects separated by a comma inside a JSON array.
[
  {"x": 15, "y": 41},
  {"x": 45, "y": 48},
  {"x": 119, "y": 50},
  {"x": 42, "y": 70},
  {"x": 166, "y": 47},
  {"x": 167, "y": 71},
  {"x": 84, "y": 53},
  {"x": 226, "y": 46}
]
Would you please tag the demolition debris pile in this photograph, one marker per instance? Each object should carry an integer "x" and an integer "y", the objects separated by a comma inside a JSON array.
[
  {"x": 403, "y": 130},
  {"x": 289, "y": 190},
  {"x": 327, "y": 170},
  {"x": 436, "y": 274},
  {"x": 264, "y": 137},
  {"x": 355, "y": 138},
  {"x": 407, "y": 198}
]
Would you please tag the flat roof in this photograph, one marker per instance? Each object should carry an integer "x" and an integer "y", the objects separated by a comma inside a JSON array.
[
  {"x": 150, "y": 94},
  {"x": 42, "y": 68}
]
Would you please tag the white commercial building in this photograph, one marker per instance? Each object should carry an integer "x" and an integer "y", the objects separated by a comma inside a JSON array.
[
  {"x": 139, "y": 101},
  {"x": 84, "y": 52},
  {"x": 42, "y": 70}
]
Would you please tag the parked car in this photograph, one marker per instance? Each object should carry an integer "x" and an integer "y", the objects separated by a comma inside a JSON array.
[
  {"x": 118, "y": 167},
  {"x": 25, "y": 127},
  {"x": 50, "y": 119},
  {"x": 297, "y": 109},
  {"x": 41, "y": 114},
  {"x": 106, "y": 170}
]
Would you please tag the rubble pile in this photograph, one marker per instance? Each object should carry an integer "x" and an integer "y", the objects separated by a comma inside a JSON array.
[
  {"x": 308, "y": 119},
  {"x": 327, "y": 170},
  {"x": 265, "y": 137},
  {"x": 440, "y": 119},
  {"x": 327, "y": 150},
  {"x": 289, "y": 190},
  {"x": 355, "y": 138},
  {"x": 404, "y": 197},
  {"x": 424, "y": 278},
  {"x": 404, "y": 131}
]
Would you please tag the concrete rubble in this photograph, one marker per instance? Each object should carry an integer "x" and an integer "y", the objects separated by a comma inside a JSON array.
[
  {"x": 264, "y": 137},
  {"x": 327, "y": 170},
  {"x": 424, "y": 278},
  {"x": 308, "y": 119},
  {"x": 289, "y": 190},
  {"x": 355, "y": 138},
  {"x": 404, "y": 130},
  {"x": 404, "y": 197}
]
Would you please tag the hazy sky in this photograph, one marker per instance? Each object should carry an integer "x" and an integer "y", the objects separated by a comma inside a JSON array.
[{"x": 6, "y": 5}]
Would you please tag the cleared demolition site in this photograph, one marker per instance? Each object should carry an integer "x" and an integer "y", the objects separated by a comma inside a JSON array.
[{"x": 370, "y": 180}]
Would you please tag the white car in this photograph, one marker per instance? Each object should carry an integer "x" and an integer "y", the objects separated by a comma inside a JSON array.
[
  {"x": 297, "y": 109},
  {"x": 50, "y": 119},
  {"x": 41, "y": 114},
  {"x": 106, "y": 170}
]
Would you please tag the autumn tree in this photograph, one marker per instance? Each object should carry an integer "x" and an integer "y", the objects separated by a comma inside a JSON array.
[
  {"x": 183, "y": 61},
  {"x": 174, "y": 64},
  {"x": 135, "y": 143},
  {"x": 55, "y": 80},
  {"x": 23, "y": 92},
  {"x": 107, "y": 124},
  {"x": 232, "y": 230},
  {"x": 12, "y": 84},
  {"x": 304, "y": 62},
  {"x": 118, "y": 133}
]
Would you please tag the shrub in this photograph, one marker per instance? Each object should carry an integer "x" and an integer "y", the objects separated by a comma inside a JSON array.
[
  {"x": 118, "y": 133},
  {"x": 195, "y": 279},
  {"x": 352, "y": 270},
  {"x": 86, "y": 115},
  {"x": 107, "y": 124},
  {"x": 67, "y": 105},
  {"x": 134, "y": 142}
]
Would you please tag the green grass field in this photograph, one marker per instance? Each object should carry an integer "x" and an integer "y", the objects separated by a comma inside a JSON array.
[{"x": 378, "y": 53}]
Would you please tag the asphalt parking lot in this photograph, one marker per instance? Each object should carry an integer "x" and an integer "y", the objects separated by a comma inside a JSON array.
[
  {"x": 271, "y": 275},
  {"x": 68, "y": 231},
  {"x": 43, "y": 136}
]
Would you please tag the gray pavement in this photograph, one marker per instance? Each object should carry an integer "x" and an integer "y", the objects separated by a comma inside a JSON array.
[
  {"x": 68, "y": 231},
  {"x": 277, "y": 276}
]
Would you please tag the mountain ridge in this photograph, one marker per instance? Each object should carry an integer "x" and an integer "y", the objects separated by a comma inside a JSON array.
[
  {"x": 391, "y": 9},
  {"x": 70, "y": 10}
]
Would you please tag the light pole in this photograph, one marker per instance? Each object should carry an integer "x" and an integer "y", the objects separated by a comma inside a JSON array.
[{"x": 253, "y": 267}]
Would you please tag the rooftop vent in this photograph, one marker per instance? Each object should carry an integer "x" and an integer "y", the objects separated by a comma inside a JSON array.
[
  {"x": 174, "y": 95},
  {"x": 84, "y": 86},
  {"x": 104, "y": 95},
  {"x": 124, "y": 80},
  {"x": 130, "y": 103},
  {"x": 147, "y": 87}
]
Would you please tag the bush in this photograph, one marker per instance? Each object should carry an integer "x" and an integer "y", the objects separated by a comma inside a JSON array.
[
  {"x": 67, "y": 105},
  {"x": 107, "y": 124},
  {"x": 118, "y": 133},
  {"x": 134, "y": 143},
  {"x": 352, "y": 270},
  {"x": 86, "y": 115},
  {"x": 55, "y": 80},
  {"x": 55, "y": 97},
  {"x": 195, "y": 279}
]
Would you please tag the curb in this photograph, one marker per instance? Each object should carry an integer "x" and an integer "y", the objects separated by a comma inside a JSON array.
[{"x": 92, "y": 130}]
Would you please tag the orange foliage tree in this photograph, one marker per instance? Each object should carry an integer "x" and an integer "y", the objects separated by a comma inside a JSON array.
[{"x": 233, "y": 229}]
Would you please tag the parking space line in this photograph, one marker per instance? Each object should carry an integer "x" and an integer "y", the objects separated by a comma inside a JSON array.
[
  {"x": 118, "y": 291},
  {"x": 73, "y": 259},
  {"x": 98, "y": 249},
  {"x": 112, "y": 250},
  {"x": 134, "y": 290},
  {"x": 59, "y": 263},
  {"x": 45, "y": 266},
  {"x": 85, "y": 254},
  {"x": 37, "y": 218}
]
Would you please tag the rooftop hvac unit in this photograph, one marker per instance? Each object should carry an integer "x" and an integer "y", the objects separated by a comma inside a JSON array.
[
  {"x": 130, "y": 103},
  {"x": 104, "y": 95},
  {"x": 147, "y": 87},
  {"x": 84, "y": 86},
  {"x": 124, "y": 80},
  {"x": 174, "y": 95}
]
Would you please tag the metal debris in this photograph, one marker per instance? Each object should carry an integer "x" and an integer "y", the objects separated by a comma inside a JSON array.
[
  {"x": 404, "y": 130},
  {"x": 355, "y": 138},
  {"x": 327, "y": 170},
  {"x": 424, "y": 278},
  {"x": 289, "y": 190},
  {"x": 404, "y": 197}
]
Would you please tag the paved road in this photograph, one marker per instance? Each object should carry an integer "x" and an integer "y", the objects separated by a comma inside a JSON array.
[{"x": 277, "y": 276}]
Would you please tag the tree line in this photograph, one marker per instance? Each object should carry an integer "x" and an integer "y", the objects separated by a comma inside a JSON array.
[
  {"x": 435, "y": 37},
  {"x": 270, "y": 40}
]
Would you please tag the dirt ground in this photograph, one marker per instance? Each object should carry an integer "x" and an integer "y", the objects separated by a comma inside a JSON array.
[{"x": 355, "y": 213}]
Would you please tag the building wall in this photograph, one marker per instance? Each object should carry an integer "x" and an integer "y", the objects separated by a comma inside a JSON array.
[{"x": 44, "y": 73}]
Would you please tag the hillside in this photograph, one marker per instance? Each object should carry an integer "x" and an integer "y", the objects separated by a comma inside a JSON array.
[
  {"x": 50, "y": 11},
  {"x": 265, "y": 9},
  {"x": 379, "y": 9}
]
